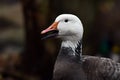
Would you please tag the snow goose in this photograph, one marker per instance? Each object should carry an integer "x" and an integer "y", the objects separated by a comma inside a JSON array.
[{"x": 70, "y": 63}]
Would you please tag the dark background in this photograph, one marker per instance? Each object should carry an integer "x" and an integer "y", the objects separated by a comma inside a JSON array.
[{"x": 24, "y": 56}]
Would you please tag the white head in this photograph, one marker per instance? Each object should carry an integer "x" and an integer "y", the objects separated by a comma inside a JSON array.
[{"x": 70, "y": 29}]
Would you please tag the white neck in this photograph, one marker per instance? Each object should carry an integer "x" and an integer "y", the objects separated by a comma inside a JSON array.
[{"x": 72, "y": 44}]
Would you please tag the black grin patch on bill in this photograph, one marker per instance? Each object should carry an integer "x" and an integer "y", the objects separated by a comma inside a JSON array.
[{"x": 49, "y": 34}]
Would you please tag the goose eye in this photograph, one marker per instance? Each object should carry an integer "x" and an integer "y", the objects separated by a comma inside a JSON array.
[{"x": 66, "y": 20}]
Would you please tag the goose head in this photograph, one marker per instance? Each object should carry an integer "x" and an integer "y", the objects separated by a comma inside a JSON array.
[{"x": 66, "y": 26}]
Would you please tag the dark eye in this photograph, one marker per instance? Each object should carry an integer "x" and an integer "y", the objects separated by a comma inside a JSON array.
[{"x": 66, "y": 20}]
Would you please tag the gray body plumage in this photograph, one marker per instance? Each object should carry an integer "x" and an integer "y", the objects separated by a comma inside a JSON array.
[{"x": 69, "y": 67}]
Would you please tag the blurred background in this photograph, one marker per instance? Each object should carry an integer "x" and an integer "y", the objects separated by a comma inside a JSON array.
[{"x": 24, "y": 56}]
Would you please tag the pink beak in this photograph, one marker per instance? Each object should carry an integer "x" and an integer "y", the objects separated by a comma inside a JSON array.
[{"x": 50, "y": 28}]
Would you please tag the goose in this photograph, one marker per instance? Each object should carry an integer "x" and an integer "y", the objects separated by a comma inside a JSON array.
[{"x": 70, "y": 63}]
